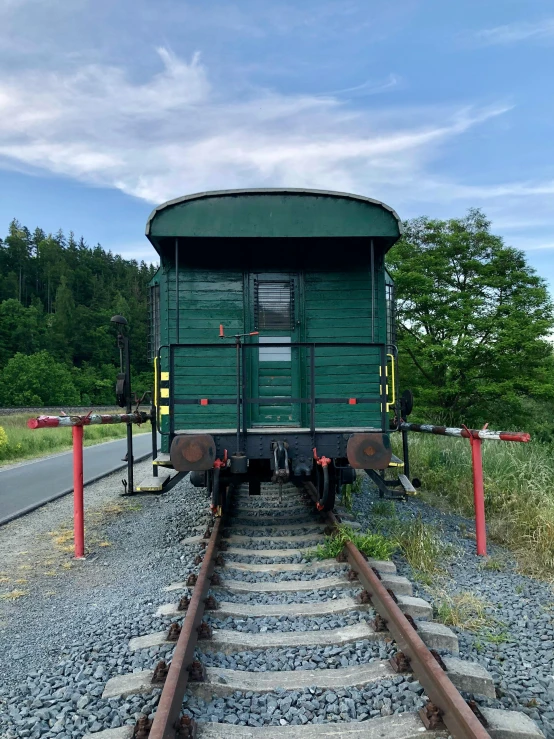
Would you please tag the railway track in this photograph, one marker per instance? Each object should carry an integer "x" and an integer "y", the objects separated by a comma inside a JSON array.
[{"x": 255, "y": 594}]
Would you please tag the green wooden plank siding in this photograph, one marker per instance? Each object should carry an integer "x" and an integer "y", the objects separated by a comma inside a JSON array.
[
  {"x": 207, "y": 298},
  {"x": 338, "y": 308},
  {"x": 334, "y": 306}
]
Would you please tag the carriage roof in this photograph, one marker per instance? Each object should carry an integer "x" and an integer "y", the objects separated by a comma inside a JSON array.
[{"x": 274, "y": 214}]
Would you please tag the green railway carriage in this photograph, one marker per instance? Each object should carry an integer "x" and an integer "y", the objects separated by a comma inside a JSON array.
[{"x": 272, "y": 336}]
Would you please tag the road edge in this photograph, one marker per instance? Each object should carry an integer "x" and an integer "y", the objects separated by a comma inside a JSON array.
[
  {"x": 56, "y": 496},
  {"x": 69, "y": 450}
]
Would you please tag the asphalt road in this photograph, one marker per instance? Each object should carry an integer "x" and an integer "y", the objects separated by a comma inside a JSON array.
[{"x": 30, "y": 485}]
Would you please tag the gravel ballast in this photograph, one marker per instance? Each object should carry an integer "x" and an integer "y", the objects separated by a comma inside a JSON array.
[
  {"x": 69, "y": 634},
  {"x": 314, "y": 705},
  {"x": 517, "y": 646},
  {"x": 262, "y": 625},
  {"x": 303, "y": 658}
]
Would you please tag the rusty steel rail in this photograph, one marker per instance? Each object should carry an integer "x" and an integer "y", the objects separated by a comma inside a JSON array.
[
  {"x": 457, "y": 716},
  {"x": 167, "y": 716}
]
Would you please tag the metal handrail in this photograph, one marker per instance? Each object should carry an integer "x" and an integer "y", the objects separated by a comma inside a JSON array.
[{"x": 313, "y": 400}]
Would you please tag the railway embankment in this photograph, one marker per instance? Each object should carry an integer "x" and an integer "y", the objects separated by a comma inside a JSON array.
[
  {"x": 504, "y": 619},
  {"x": 67, "y": 639}
]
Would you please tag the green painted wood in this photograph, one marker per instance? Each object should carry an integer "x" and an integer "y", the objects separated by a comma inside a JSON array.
[
  {"x": 262, "y": 214},
  {"x": 206, "y": 299},
  {"x": 330, "y": 306},
  {"x": 338, "y": 307},
  {"x": 265, "y": 374}
]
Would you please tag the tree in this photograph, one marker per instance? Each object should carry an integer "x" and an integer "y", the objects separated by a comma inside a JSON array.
[
  {"x": 473, "y": 321},
  {"x": 63, "y": 325},
  {"x": 37, "y": 379},
  {"x": 18, "y": 244},
  {"x": 20, "y": 328}
]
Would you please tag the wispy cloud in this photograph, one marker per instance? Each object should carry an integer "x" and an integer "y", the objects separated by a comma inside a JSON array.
[
  {"x": 175, "y": 133},
  {"x": 540, "y": 247},
  {"x": 370, "y": 87},
  {"x": 512, "y": 33},
  {"x": 457, "y": 191}
]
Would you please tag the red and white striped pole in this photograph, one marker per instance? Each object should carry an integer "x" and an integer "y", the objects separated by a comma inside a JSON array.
[
  {"x": 478, "y": 492},
  {"x": 476, "y": 438},
  {"x": 91, "y": 419},
  {"x": 484, "y": 433},
  {"x": 76, "y": 423},
  {"x": 78, "y": 494}
]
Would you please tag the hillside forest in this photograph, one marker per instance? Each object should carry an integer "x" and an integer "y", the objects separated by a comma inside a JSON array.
[
  {"x": 474, "y": 323},
  {"x": 57, "y": 295}
]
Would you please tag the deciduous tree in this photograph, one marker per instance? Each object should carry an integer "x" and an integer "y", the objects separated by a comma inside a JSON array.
[{"x": 474, "y": 321}]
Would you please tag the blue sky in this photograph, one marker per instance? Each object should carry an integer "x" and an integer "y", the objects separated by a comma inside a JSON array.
[{"x": 108, "y": 108}]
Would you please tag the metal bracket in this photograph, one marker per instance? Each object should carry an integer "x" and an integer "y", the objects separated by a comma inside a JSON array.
[{"x": 384, "y": 489}]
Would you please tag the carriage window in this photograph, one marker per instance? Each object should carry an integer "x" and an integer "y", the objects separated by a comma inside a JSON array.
[
  {"x": 275, "y": 353},
  {"x": 274, "y": 305}
]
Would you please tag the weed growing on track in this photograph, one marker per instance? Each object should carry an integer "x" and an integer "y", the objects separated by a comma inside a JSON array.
[
  {"x": 384, "y": 509},
  {"x": 375, "y": 546},
  {"x": 494, "y": 564},
  {"x": 468, "y": 612},
  {"x": 422, "y": 547},
  {"x": 462, "y": 610},
  {"x": 19, "y": 442},
  {"x": 419, "y": 542},
  {"x": 349, "y": 491},
  {"x": 518, "y": 499}
]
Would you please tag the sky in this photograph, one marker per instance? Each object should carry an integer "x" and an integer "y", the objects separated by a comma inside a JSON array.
[{"x": 109, "y": 108}]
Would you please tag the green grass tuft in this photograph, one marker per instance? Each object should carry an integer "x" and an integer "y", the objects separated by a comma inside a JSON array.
[
  {"x": 493, "y": 564},
  {"x": 375, "y": 546},
  {"x": 422, "y": 547},
  {"x": 463, "y": 611},
  {"x": 384, "y": 509}
]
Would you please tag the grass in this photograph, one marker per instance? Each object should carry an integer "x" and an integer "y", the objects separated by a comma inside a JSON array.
[
  {"x": 422, "y": 546},
  {"x": 19, "y": 442},
  {"x": 469, "y": 612},
  {"x": 518, "y": 491},
  {"x": 493, "y": 564},
  {"x": 499, "y": 637},
  {"x": 13, "y": 595},
  {"x": 419, "y": 542},
  {"x": 375, "y": 546},
  {"x": 384, "y": 509},
  {"x": 350, "y": 490},
  {"x": 462, "y": 610}
]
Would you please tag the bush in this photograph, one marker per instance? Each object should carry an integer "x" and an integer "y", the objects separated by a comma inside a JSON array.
[{"x": 37, "y": 379}]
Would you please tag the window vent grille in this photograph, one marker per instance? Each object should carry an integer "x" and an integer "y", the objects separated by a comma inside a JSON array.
[
  {"x": 274, "y": 305},
  {"x": 153, "y": 321}
]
